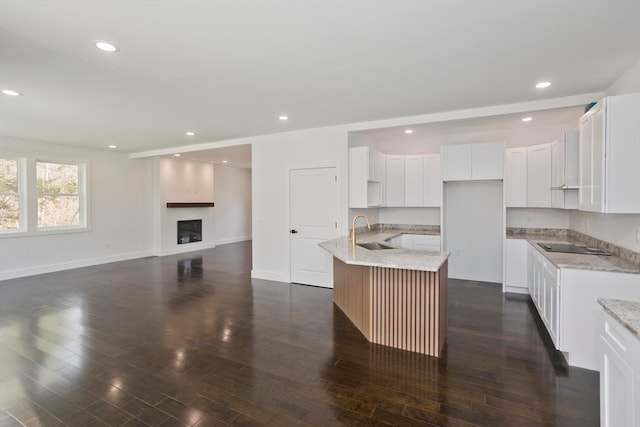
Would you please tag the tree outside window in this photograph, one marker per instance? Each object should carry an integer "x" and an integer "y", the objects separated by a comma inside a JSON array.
[
  {"x": 58, "y": 194},
  {"x": 9, "y": 196}
]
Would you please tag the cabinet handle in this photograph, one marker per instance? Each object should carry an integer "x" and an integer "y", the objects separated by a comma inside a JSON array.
[{"x": 294, "y": 231}]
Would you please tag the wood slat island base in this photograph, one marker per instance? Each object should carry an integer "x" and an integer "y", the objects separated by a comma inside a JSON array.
[{"x": 400, "y": 308}]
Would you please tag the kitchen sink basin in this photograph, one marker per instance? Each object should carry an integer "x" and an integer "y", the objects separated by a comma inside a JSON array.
[{"x": 374, "y": 246}]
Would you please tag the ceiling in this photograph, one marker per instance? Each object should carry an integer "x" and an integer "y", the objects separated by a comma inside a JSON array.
[
  {"x": 227, "y": 69},
  {"x": 237, "y": 156}
]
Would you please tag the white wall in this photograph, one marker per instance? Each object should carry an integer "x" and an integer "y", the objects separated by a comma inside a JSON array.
[
  {"x": 615, "y": 228},
  {"x": 183, "y": 181},
  {"x": 538, "y": 218},
  {"x": 232, "y": 189},
  {"x": 119, "y": 202},
  {"x": 418, "y": 216},
  {"x": 272, "y": 158},
  {"x": 628, "y": 82}
]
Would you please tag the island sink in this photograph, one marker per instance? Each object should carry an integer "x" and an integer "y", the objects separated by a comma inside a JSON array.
[{"x": 374, "y": 246}]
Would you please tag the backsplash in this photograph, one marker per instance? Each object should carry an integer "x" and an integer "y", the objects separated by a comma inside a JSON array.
[{"x": 403, "y": 228}]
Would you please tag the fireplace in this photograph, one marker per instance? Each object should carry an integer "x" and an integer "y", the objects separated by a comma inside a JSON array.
[{"x": 189, "y": 231}]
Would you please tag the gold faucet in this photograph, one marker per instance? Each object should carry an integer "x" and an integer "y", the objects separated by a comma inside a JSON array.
[{"x": 353, "y": 228}]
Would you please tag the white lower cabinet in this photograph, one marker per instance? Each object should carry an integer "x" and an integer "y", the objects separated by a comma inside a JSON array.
[
  {"x": 619, "y": 375},
  {"x": 544, "y": 289},
  {"x": 567, "y": 301},
  {"x": 421, "y": 242},
  {"x": 515, "y": 261}
]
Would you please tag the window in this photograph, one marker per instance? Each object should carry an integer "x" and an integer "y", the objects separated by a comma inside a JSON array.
[
  {"x": 42, "y": 196},
  {"x": 59, "y": 195},
  {"x": 9, "y": 195}
]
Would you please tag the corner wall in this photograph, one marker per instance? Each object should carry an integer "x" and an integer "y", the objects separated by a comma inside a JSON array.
[{"x": 232, "y": 189}]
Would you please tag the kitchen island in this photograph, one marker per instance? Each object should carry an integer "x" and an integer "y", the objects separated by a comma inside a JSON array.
[{"x": 396, "y": 297}]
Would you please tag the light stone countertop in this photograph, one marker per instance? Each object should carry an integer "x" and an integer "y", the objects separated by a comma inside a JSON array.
[
  {"x": 578, "y": 261},
  {"x": 400, "y": 257},
  {"x": 625, "y": 312}
]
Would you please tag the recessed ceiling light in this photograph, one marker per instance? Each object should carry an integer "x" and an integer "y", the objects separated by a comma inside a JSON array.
[
  {"x": 176, "y": 155},
  {"x": 106, "y": 46},
  {"x": 283, "y": 118},
  {"x": 408, "y": 131},
  {"x": 113, "y": 146},
  {"x": 225, "y": 161},
  {"x": 11, "y": 92},
  {"x": 543, "y": 85},
  {"x": 527, "y": 119},
  {"x": 190, "y": 133}
]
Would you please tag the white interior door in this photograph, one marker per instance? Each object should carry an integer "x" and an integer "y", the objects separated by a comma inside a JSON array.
[{"x": 313, "y": 201}]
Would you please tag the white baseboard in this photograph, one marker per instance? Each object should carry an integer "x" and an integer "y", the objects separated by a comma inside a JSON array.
[
  {"x": 51, "y": 268},
  {"x": 270, "y": 275},
  {"x": 233, "y": 240},
  {"x": 189, "y": 247},
  {"x": 517, "y": 290}
]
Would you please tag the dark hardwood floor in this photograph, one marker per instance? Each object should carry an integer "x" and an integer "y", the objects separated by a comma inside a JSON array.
[{"x": 191, "y": 340}]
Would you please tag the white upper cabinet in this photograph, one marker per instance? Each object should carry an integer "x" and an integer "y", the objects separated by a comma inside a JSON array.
[
  {"x": 473, "y": 161},
  {"x": 456, "y": 162},
  {"x": 395, "y": 181},
  {"x": 414, "y": 180},
  {"x": 609, "y": 153},
  {"x": 487, "y": 160},
  {"x": 564, "y": 171},
  {"x": 515, "y": 179},
  {"x": 432, "y": 180},
  {"x": 539, "y": 176},
  {"x": 366, "y": 178}
]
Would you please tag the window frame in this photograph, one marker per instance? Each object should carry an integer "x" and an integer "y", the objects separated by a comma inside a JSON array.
[
  {"x": 82, "y": 195},
  {"x": 29, "y": 197},
  {"x": 23, "y": 218}
]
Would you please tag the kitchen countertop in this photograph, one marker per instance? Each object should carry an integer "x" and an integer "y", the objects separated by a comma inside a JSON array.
[
  {"x": 577, "y": 261},
  {"x": 399, "y": 257},
  {"x": 625, "y": 312}
]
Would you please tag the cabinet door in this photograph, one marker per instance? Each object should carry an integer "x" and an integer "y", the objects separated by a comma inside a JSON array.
[
  {"x": 432, "y": 181},
  {"x": 487, "y": 160},
  {"x": 550, "y": 316},
  {"x": 530, "y": 272},
  {"x": 358, "y": 177},
  {"x": 379, "y": 166},
  {"x": 515, "y": 179},
  {"x": 557, "y": 173},
  {"x": 616, "y": 389},
  {"x": 425, "y": 242},
  {"x": 585, "y": 154},
  {"x": 414, "y": 181},
  {"x": 539, "y": 176},
  {"x": 395, "y": 181},
  {"x": 598, "y": 159},
  {"x": 516, "y": 251},
  {"x": 456, "y": 162}
]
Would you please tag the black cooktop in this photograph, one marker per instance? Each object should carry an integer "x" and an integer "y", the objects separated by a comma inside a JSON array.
[{"x": 569, "y": 248}]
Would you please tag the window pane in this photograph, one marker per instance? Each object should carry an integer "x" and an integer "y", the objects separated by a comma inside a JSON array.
[
  {"x": 9, "y": 200},
  {"x": 58, "y": 195},
  {"x": 58, "y": 211}
]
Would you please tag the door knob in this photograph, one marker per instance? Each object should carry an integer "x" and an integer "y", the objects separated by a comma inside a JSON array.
[{"x": 294, "y": 231}]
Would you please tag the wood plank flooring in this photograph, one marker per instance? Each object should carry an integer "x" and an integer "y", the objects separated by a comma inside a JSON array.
[{"x": 192, "y": 340}]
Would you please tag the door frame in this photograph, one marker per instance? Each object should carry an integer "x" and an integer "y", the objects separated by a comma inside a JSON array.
[{"x": 340, "y": 195}]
